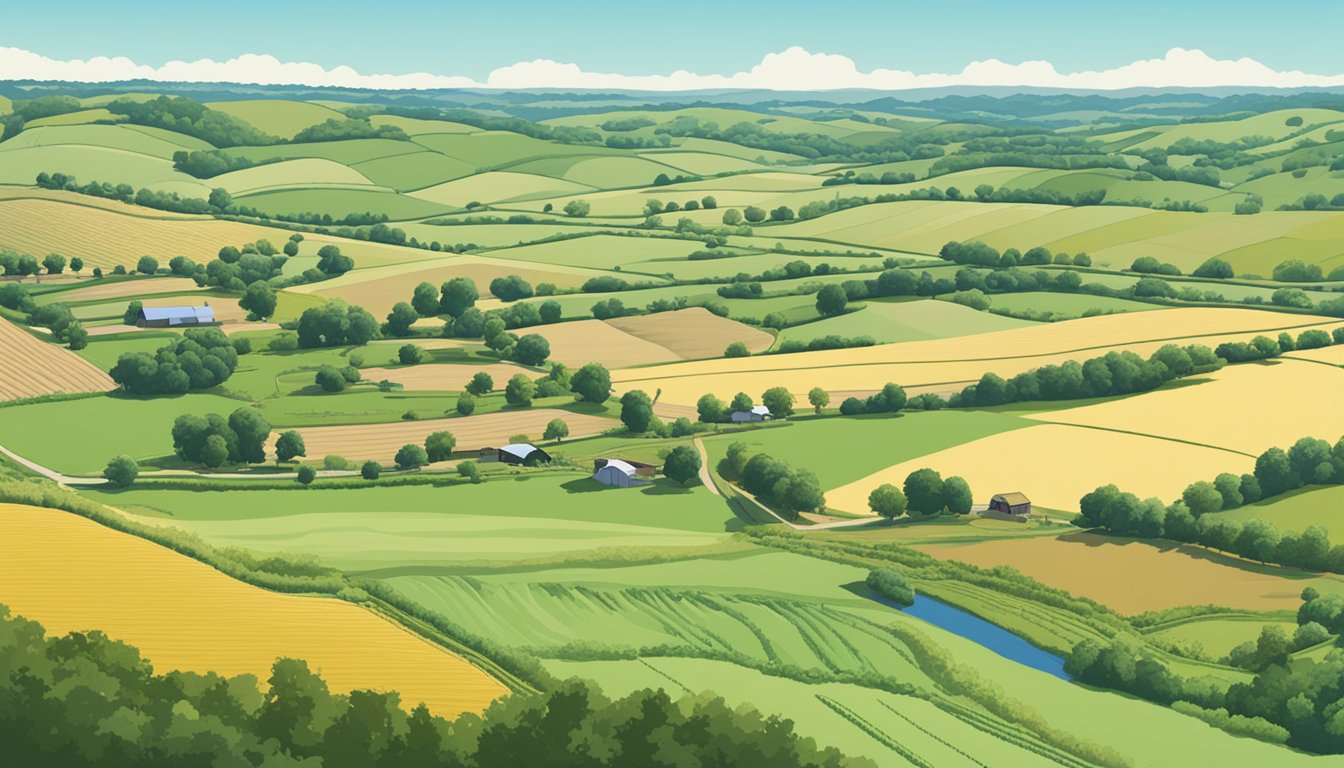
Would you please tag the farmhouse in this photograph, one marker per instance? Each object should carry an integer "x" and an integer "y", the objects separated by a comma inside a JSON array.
[
  {"x": 516, "y": 453},
  {"x": 175, "y": 317},
  {"x": 620, "y": 474},
  {"x": 1015, "y": 503},
  {"x": 759, "y": 413}
]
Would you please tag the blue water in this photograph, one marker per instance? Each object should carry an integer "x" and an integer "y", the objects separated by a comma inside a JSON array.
[{"x": 991, "y": 636}]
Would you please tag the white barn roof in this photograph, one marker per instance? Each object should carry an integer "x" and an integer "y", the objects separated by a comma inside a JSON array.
[
  {"x": 761, "y": 410},
  {"x": 521, "y": 450},
  {"x": 621, "y": 466}
]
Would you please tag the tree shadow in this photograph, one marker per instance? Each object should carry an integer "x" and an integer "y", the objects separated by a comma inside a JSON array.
[
  {"x": 667, "y": 488},
  {"x": 584, "y": 485}
]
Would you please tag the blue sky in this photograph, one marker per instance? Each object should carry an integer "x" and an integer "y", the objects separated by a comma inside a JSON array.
[{"x": 472, "y": 38}]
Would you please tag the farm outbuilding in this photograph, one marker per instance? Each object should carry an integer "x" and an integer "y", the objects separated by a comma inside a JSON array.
[
  {"x": 1015, "y": 503},
  {"x": 617, "y": 473},
  {"x": 641, "y": 469},
  {"x": 517, "y": 453},
  {"x": 759, "y": 413},
  {"x": 175, "y": 317}
]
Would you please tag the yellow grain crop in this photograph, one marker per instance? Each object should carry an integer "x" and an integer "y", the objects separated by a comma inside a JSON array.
[{"x": 70, "y": 574}]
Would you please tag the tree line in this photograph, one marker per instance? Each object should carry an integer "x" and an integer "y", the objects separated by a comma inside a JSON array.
[
  {"x": 1310, "y": 461},
  {"x": 1294, "y": 701}
]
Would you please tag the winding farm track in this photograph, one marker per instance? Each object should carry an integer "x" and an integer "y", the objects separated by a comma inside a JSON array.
[
  {"x": 705, "y": 477},
  {"x": 50, "y": 473}
]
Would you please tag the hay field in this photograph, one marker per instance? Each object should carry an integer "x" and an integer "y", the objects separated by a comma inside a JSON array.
[
  {"x": 1245, "y": 408},
  {"x": 494, "y": 186},
  {"x": 587, "y": 341},
  {"x": 378, "y": 288},
  {"x": 304, "y": 172},
  {"x": 33, "y": 367},
  {"x": 72, "y": 574},
  {"x": 443, "y": 377},
  {"x": 1055, "y": 464},
  {"x": 603, "y": 251},
  {"x": 693, "y": 333},
  {"x": 105, "y": 239},
  {"x": 381, "y": 441},
  {"x": 1135, "y": 576},
  {"x": 279, "y": 117},
  {"x": 123, "y": 289},
  {"x": 954, "y": 361},
  {"x": 893, "y": 321}
]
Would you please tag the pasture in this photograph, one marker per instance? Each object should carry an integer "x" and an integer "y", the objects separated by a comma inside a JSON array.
[{"x": 138, "y": 427}]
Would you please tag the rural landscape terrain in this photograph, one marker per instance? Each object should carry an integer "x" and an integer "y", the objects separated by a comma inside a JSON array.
[{"x": 466, "y": 427}]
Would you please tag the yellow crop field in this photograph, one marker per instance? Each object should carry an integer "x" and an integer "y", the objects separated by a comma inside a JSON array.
[
  {"x": 1135, "y": 576},
  {"x": 381, "y": 441},
  {"x": 33, "y": 367},
  {"x": 1055, "y": 464},
  {"x": 1329, "y": 355},
  {"x": 693, "y": 333},
  {"x": 1245, "y": 408},
  {"x": 103, "y": 238},
  {"x": 953, "y": 362},
  {"x": 72, "y": 574},
  {"x": 444, "y": 377},
  {"x": 378, "y": 288}
]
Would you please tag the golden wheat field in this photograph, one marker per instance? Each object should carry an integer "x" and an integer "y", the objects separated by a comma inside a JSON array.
[
  {"x": 950, "y": 363},
  {"x": 1329, "y": 355},
  {"x": 33, "y": 367},
  {"x": 103, "y": 238},
  {"x": 443, "y": 377},
  {"x": 72, "y": 574},
  {"x": 1055, "y": 464},
  {"x": 381, "y": 441},
  {"x": 693, "y": 333},
  {"x": 1134, "y": 576},
  {"x": 1245, "y": 408}
]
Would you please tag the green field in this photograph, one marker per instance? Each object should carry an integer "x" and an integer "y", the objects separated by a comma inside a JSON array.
[
  {"x": 675, "y": 586},
  {"x": 137, "y": 427},
  {"x": 850, "y": 441},
  {"x": 1296, "y": 510}
]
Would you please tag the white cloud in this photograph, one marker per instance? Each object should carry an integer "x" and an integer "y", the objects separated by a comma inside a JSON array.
[{"x": 791, "y": 69}]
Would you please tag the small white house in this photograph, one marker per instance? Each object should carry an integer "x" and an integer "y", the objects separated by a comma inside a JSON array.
[
  {"x": 617, "y": 473},
  {"x": 759, "y": 413}
]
